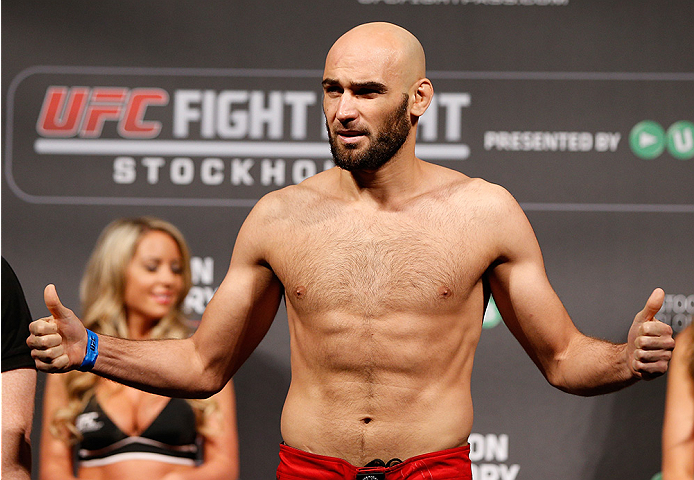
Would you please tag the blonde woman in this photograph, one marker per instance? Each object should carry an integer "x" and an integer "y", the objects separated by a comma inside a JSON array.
[
  {"x": 678, "y": 427},
  {"x": 134, "y": 286}
]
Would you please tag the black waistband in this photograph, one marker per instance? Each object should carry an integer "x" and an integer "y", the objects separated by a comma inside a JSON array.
[{"x": 377, "y": 462}]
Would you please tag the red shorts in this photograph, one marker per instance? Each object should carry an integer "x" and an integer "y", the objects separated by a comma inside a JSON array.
[{"x": 453, "y": 463}]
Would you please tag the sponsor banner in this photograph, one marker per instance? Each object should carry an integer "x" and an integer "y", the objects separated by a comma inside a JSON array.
[
  {"x": 202, "y": 289},
  {"x": 201, "y": 138},
  {"x": 489, "y": 454},
  {"x": 677, "y": 311},
  {"x": 227, "y": 137}
]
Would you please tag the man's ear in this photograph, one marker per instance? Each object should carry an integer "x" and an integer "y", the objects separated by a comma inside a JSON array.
[{"x": 423, "y": 93}]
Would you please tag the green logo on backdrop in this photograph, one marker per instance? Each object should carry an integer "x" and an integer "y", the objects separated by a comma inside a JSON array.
[
  {"x": 657, "y": 476},
  {"x": 492, "y": 317},
  {"x": 647, "y": 139},
  {"x": 680, "y": 140}
]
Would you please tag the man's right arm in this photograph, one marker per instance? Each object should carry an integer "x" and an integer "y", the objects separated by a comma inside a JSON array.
[{"x": 234, "y": 323}]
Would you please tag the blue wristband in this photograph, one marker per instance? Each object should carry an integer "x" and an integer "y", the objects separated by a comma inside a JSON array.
[{"x": 92, "y": 352}]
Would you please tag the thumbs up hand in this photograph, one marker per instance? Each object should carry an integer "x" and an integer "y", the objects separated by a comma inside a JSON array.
[
  {"x": 58, "y": 343},
  {"x": 650, "y": 342}
]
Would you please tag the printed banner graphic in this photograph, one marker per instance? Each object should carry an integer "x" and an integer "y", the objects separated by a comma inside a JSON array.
[{"x": 226, "y": 137}]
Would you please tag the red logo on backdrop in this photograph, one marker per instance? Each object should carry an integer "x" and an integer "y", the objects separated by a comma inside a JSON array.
[
  {"x": 198, "y": 137},
  {"x": 147, "y": 136},
  {"x": 82, "y": 111}
]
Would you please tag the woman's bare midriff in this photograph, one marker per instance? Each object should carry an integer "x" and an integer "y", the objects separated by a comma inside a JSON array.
[{"x": 132, "y": 469}]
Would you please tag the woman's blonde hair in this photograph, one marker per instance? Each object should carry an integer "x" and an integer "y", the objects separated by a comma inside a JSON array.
[{"x": 103, "y": 309}]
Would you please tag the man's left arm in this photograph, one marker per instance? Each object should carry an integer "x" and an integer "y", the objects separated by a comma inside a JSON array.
[
  {"x": 570, "y": 360},
  {"x": 18, "y": 389},
  {"x": 18, "y": 379}
]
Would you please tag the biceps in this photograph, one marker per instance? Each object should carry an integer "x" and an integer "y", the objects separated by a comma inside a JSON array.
[
  {"x": 238, "y": 317},
  {"x": 530, "y": 307}
]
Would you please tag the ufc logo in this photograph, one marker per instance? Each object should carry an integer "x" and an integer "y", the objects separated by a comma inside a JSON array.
[{"x": 83, "y": 111}]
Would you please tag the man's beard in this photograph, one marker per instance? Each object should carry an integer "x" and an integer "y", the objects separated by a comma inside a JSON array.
[{"x": 386, "y": 144}]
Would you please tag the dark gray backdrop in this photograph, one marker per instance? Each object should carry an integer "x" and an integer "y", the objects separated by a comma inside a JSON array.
[{"x": 585, "y": 74}]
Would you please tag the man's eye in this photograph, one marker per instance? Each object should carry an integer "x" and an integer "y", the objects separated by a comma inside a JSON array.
[{"x": 366, "y": 92}]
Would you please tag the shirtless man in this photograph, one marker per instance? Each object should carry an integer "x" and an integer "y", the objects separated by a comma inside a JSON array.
[{"x": 386, "y": 263}]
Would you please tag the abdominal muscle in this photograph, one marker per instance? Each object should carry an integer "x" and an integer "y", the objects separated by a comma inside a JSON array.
[
  {"x": 389, "y": 387},
  {"x": 132, "y": 469}
]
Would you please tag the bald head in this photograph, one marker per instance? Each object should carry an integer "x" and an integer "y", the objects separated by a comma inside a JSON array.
[
  {"x": 382, "y": 48},
  {"x": 374, "y": 92}
]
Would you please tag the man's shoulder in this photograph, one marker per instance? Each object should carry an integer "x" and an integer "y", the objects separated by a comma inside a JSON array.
[
  {"x": 292, "y": 200},
  {"x": 491, "y": 193},
  {"x": 473, "y": 191}
]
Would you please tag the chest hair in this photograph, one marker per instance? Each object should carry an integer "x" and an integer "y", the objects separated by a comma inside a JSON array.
[{"x": 371, "y": 264}]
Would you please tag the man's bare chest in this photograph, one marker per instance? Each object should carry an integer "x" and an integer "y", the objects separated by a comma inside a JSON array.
[{"x": 393, "y": 263}]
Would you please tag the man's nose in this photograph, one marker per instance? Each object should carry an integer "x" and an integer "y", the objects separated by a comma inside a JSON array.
[{"x": 346, "y": 108}]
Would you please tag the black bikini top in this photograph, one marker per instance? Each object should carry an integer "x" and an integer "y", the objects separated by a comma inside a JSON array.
[{"x": 172, "y": 437}]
